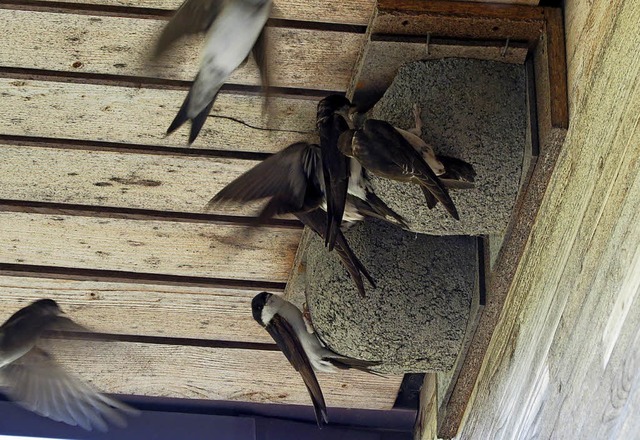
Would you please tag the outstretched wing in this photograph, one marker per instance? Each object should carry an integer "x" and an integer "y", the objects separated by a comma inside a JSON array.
[
  {"x": 39, "y": 384},
  {"x": 193, "y": 17},
  {"x": 284, "y": 177}
]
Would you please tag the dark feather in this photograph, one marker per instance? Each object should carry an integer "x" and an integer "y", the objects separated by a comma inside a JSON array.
[
  {"x": 193, "y": 17},
  {"x": 287, "y": 340},
  {"x": 336, "y": 174},
  {"x": 384, "y": 151},
  {"x": 316, "y": 220}
]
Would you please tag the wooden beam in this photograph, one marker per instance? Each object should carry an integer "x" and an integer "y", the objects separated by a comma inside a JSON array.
[
  {"x": 161, "y": 247},
  {"x": 452, "y": 19},
  {"x": 143, "y": 309},
  {"x": 131, "y": 115},
  {"x": 356, "y": 12},
  {"x": 310, "y": 59},
  {"x": 122, "y": 180},
  {"x": 179, "y": 371}
]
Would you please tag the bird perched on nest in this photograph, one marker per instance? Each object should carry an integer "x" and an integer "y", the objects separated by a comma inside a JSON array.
[
  {"x": 303, "y": 349},
  {"x": 234, "y": 28},
  {"x": 34, "y": 379},
  {"x": 401, "y": 155}
]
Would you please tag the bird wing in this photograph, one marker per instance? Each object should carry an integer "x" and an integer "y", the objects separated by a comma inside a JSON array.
[
  {"x": 261, "y": 55},
  {"x": 39, "y": 384},
  {"x": 383, "y": 140},
  {"x": 317, "y": 220},
  {"x": 335, "y": 167},
  {"x": 287, "y": 340},
  {"x": 283, "y": 176},
  {"x": 193, "y": 17}
]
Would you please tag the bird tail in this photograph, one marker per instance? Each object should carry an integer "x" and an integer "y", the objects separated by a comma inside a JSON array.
[
  {"x": 345, "y": 363},
  {"x": 320, "y": 408},
  {"x": 383, "y": 211},
  {"x": 197, "y": 122}
]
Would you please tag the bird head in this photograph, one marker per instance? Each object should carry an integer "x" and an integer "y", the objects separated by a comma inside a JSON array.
[
  {"x": 46, "y": 307},
  {"x": 257, "y": 306},
  {"x": 333, "y": 104}
]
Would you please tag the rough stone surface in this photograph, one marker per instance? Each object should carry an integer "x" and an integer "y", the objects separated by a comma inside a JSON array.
[
  {"x": 416, "y": 318},
  {"x": 474, "y": 110}
]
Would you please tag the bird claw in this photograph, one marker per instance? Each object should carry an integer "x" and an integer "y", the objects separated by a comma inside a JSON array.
[
  {"x": 417, "y": 130},
  {"x": 306, "y": 316}
]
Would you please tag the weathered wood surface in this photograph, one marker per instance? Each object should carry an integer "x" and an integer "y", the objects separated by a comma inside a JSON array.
[
  {"x": 300, "y": 58},
  {"x": 143, "y": 309},
  {"x": 218, "y": 374},
  {"x": 115, "y": 179},
  {"x": 134, "y": 115},
  {"x": 455, "y": 19},
  {"x": 564, "y": 358},
  {"x": 163, "y": 247},
  {"x": 355, "y": 12}
]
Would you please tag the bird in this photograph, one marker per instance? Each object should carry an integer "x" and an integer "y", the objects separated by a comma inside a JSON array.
[
  {"x": 234, "y": 28},
  {"x": 34, "y": 379},
  {"x": 402, "y": 155},
  {"x": 332, "y": 120},
  {"x": 292, "y": 180},
  {"x": 304, "y": 350}
]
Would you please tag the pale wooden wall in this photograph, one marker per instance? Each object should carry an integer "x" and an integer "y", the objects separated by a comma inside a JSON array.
[{"x": 564, "y": 361}]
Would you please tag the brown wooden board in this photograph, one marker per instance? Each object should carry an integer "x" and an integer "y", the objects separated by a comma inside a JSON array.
[
  {"x": 309, "y": 59},
  {"x": 162, "y": 247},
  {"x": 356, "y": 12},
  {"x": 118, "y": 179},
  {"x": 132, "y": 115},
  {"x": 143, "y": 309}
]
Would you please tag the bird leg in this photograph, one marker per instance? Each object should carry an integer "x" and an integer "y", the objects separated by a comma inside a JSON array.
[
  {"x": 306, "y": 316},
  {"x": 417, "y": 130}
]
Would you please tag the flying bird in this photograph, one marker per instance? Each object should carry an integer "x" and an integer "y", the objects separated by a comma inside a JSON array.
[
  {"x": 303, "y": 349},
  {"x": 293, "y": 182},
  {"x": 402, "y": 155},
  {"x": 34, "y": 380},
  {"x": 234, "y": 28}
]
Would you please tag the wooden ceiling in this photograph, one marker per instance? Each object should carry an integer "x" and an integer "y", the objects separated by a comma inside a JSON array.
[{"x": 104, "y": 213}]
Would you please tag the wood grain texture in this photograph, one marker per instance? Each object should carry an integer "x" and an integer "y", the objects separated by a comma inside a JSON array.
[
  {"x": 355, "y": 12},
  {"x": 141, "y": 116},
  {"x": 300, "y": 58},
  {"x": 456, "y": 19},
  {"x": 560, "y": 361},
  {"x": 123, "y": 180},
  {"x": 143, "y": 309},
  {"x": 218, "y": 374},
  {"x": 176, "y": 248}
]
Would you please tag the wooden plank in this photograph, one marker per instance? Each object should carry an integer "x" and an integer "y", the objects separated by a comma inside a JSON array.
[
  {"x": 551, "y": 82},
  {"x": 455, "y": 19},
  {"x": 572, "y": 312},
  {"x": 309, "y": 59},
  {"x": 141, "y": 116},
  {"x": 163, "y": 247},
  {"x": 143, "y": 309},
  {"x": 179, "y": 371},
  {"x": 355, "y": 12},
  {"x": 114, "y": 179},
  {"x": 586, "y": 21}
]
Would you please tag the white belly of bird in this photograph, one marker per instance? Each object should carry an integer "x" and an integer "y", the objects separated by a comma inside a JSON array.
[{"x": 227, "y": 44}]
